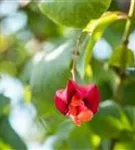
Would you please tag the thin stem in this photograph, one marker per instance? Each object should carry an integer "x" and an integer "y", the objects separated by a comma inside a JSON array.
[
  {"x": 125, "y": 50},
  {"x": 129, "y": 23},
  {"x": 75, "y": 55},
  {"x": 126, "y": 37}
]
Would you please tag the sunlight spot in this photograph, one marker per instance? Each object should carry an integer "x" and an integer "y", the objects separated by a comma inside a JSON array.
[
  {"x": 37, "y": 58},
  {"x": 54, "y": 54}
]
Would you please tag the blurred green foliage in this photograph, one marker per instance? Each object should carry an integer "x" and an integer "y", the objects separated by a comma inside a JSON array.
[{"x": 39, "y": 54}]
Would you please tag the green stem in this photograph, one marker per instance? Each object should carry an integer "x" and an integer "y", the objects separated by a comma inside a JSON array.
[
  {"x": 129, "y": 23},
  {"x": 124, "y": 55},
  {"x": 126, "y": 37}
]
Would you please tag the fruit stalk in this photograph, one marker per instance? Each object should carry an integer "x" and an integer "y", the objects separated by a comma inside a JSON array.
[{"x": 75, "y": 56}]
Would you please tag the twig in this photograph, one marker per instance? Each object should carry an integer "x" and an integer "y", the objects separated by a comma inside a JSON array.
[
  {"x": 75, "y": 56},
  {"x": 125, "y": 41}
]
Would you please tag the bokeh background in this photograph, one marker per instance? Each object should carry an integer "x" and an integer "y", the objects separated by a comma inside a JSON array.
[{"x": 27, "y": 119}]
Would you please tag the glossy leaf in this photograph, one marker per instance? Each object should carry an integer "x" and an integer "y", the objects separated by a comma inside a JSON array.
[
  {"x": 75, "y": 13},
  {"x": 109, "y": 119},
  {"x": 122, "y": 57},
  {"x": 49, "y": 74},
  {"x": 96, "y": 29}
]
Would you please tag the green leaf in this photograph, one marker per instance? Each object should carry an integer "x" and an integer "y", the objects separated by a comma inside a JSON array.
[
  {"x": 122, "y": 57},
  {"x": 125, "y": 146},
  {"x": 96, "y": 29},
  {"x": 47, "y": 29},
  {"x": 126, "y": 136},
  {"x": 79, "y": 138},
  {"x": 74, "y": 13},
  {"x": 96, "y": 26},
  {"x": 130, "y": 113},
  {"x": 9, "y": 136},
  {"x": 127, "y": 92},
  {"x": 63, "y": 131},
  {"x": 50, "y": 74},
  {"x": 108, "y": 122},
  {"x": 4, "y": 105},
  {"x": 129, "y": 135},
  {"x": 105, "y": 90}
]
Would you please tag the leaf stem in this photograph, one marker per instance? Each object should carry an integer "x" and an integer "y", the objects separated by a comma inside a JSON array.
[{"x": 75, "y": 55}]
